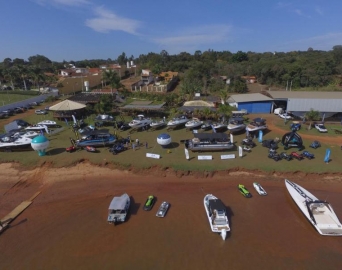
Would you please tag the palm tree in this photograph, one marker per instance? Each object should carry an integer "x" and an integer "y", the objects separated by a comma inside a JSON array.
[
  {"x": 224, "y": 96},
  {"x": 37, "y": 76},
  {"x": 10, "y": 75},
  {"x": 206, "y": 112},
  {"x": 113, "y": 78},
  {"x": 311, "y": 116}
]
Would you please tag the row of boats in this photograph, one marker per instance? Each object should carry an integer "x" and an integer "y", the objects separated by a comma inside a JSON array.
[
  {"x": 319, "y": 213},
  {"x": 235, "y": 124}
]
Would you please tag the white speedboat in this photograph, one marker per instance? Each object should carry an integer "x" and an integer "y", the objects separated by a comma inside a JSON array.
[
  {"x": 140, "y": 121},
  {"x": 157, "y": 124},
  {"x": 177, "y": 121},
  {"x": 320, "y": 213},
  {"x": 37, "y": 128},
  {"x": 48, "y": 123},
  {"x": 217, "y": 216},
  {"x": 256, "y": 124},
  {"x": 217, "y": 127},
  {"x": 118, "y": 209},
  {"x": 25, "y": 134},
  {"x": 194, "y": 123},
  {"x": 259, "y": 189},
  {"x": 236, "y": 124},
  {"x": 9, "y": 144}
]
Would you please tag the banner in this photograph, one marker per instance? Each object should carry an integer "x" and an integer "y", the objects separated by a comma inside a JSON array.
[
  {"x": 74, "y": 118},
  {"x": 327, "y": 156},
  {"x": 186, "y": 153},
  {"x": 46, "y": 129},
  {"x": 214, "y": 130},
  {"x": 260, "y": 136},
  {"x": 240, "y": 151},
  {"x": 231, "y": 138}
]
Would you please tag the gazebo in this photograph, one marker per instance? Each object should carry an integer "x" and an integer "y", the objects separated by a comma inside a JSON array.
[{"x": 66, "y": 109}]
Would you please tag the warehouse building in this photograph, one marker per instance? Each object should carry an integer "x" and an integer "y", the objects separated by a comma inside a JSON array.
[
  {"x": 300, "y": 102},
  {"x": 252, "y": 103}
]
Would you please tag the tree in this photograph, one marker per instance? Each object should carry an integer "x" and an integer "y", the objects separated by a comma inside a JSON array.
[
  {"x": 224, "y": 96},
  {"x": 311, "y": 116},
  {"x": 122, "y": 59},
  {"x": 240, "y": 56},
  {"x": 112, "y": 78},
  {"x": 238, "y": 85},
  {"x": 37, "y": 76},
  {"x": 105, "y": 104}
]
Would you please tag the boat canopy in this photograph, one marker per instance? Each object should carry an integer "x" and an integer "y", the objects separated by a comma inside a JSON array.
[
  {"x": 96, "y": 132},
  {"x": 119, "y": 203},
  {"x": 211, "y": 136},
  {"x": 216, "y": 204}
]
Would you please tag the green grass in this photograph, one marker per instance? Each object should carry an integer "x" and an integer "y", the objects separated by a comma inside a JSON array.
[
  {"x": 9, "y": 98},
  {"x": 257, "y": 160}
]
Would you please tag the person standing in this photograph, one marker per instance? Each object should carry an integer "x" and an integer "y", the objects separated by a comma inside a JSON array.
[
  {"x": 146, "y": 145},
  {"x": 137, "y": 142}
]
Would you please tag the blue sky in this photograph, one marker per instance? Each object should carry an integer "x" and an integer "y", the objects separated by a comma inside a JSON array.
[{"x": 102, "y": 29}]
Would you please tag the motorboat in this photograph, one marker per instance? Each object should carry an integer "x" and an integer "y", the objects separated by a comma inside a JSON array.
[
  {"x": 163, "y": 209},
  {"x": 96, "y": 138},
  {"x": 157, "y": 124},
  {"x": 209, "y": 142},
  {"x": 104, "y": 117},
  {"x": 206, "y": 125},
  {"x": 217, "y": 216},
  {"x": 217, "y": 127},
  {"x": 236, "y": 124},
  {"x": 118, "y": 209},
  {"x": 256, "y": 124},
  {"x": 177, "y": 121},
  {"x": 38, "y": 128},
  {"x": 194, "y": 123},
  {"x": 48, "y": 123},
  {"x": 140, "y": 121},
  {"x": 9, "y": 144},
  {"x": 320, "y": 213},
  {"x": 24, "y": 134},
  {"x": 259, "y": 189}
]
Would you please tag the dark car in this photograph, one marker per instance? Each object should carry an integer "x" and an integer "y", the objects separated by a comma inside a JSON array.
[
  {"x": 8, "y": 112},
  {"x": 18, "y": 110},
  {"x": 149, "y": 203}
]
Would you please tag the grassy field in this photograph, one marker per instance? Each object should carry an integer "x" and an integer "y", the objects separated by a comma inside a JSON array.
[
  {"x": 174, "y": 156},
  {"x": 11, "y": 98}
]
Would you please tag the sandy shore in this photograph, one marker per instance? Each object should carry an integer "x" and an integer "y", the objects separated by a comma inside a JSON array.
[{"x": 65, "y": 227}]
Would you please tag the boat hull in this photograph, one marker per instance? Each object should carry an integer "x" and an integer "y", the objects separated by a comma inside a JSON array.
[{"x": 325, "y": 222}]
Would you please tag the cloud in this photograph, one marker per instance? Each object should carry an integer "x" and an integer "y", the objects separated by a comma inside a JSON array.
[
  {"x": 63, "y": 2},
  {"x": 322, "y": 42},
  {"x": 107, "y": 21},
  {"x": 195, "y": 37}
]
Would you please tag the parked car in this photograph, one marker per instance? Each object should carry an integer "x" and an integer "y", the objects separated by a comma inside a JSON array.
[
  {"x": 8, "y": 112},
  {"x": 18, "y": 110},
  {"x": 321, "y": 128},
  {"x": 40, "y": 112},
  {"x": 285, "y": 116}
]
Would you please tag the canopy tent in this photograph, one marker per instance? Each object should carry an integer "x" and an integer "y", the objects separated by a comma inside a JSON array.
[{"x": 67, "y": 105}]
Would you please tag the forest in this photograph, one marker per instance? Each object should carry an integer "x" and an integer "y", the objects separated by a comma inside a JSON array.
[{"x": 201, "y": 70}]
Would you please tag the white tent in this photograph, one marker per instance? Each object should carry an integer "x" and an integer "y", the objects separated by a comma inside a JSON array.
[{"x": 67, "y": 105}]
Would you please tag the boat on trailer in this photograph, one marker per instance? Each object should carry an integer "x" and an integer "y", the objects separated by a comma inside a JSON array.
[
  {"x": 236, "y": 124},
  {"x": 9, "y": 144},
  {"x": 140, "y": 121},
  {"x": 177, "y": 121},
  {"x": 256, "y": 124},
  {"x": 194, "y": 123},
  {"x": 216, "y": 214},
  {"x": 320, "y": 213},
  {"x": 209, "y": 142},
  {"x": 157, "y": 124}
]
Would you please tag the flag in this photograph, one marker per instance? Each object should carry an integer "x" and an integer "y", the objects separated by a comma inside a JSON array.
[{"x": 186, "y": 153}]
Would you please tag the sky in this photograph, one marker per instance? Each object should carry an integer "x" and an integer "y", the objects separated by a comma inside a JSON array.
[{"x": 101, "y": 29}]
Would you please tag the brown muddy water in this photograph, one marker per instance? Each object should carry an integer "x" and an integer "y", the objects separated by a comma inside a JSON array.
[{"x": 66, "y": 228}]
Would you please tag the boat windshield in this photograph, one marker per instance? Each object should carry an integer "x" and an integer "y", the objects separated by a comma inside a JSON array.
[{"x": 220, "y": 212}]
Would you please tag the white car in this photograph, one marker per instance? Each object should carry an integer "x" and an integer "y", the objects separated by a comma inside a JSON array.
[
  {"x": 321, "y": 128},
  {"x": 285, "y": 116},
  {"x": 41, "y": 112}
]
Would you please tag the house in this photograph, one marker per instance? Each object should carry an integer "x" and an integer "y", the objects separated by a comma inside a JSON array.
[{"x": 146, "y": 76}]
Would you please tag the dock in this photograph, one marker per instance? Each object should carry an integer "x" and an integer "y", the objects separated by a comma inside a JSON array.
[{"x": 5, "y": 221}]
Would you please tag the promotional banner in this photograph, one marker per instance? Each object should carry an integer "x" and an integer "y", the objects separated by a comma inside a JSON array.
[
  {"x": 327, "y": 156},
  {"x": 240, "y": 151},
  {"x": 231, "y": 138},
  {"x": 260, "y": 136},
  {"x": 186, "y": 153},
  {"x": 214, "y": 130},
  {"x": 74, "y": 118}
]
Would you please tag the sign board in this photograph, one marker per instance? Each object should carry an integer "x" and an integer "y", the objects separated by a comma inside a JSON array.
[
  {"x": 186, "y": 153},
  {"x": 240, "y": 151},
  {"x": 152, "y": 155},
  {"x": 228, "y": 156},
  {"x": 205, "y": 157}
]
